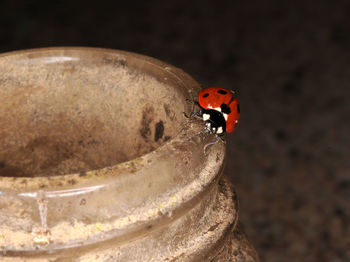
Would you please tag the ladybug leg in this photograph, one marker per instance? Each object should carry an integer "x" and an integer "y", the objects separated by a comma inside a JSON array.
[
  {"x": 192, "y": 101},
  {"x": 193, "y": 114},
  {"x": 206, "y": 133},
  {"x": 222, "y": 138},
  {"x": 197, "y": 113},
  {"x": 213, "y": 143}
]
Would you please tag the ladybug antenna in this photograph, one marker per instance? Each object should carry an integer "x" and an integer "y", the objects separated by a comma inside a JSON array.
[
  {"x": 192, "y": 100},
  {"x": 233, "y": 97}
]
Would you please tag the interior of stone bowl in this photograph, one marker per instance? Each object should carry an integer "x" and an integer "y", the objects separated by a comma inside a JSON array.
[{"x": 65, "y": 111}]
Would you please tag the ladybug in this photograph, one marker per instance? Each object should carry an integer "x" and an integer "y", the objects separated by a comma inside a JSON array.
[{"x": 219, "y": 108}]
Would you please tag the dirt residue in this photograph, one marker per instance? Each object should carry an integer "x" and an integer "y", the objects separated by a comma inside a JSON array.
[
  {"x": 147, "y": 118},
  {"x": 169, "y": 113},
  {"x": 9, "y": 170},
  {"x": 159, "y": 131}
]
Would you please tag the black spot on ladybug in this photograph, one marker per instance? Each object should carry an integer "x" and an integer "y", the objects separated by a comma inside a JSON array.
[
  {"x": 159, "y": 131},
  {"x": 225, "y": 109},
  {"x": 205, "y": 95},
  {"x": 222, "y": 92},
  {"x": 238, "y": 109}
]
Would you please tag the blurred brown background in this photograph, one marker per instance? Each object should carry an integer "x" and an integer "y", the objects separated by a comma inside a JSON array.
[{"x": 290, "y": 63}]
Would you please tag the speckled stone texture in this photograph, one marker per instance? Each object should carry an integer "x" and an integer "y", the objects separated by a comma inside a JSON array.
[{"x": 289, "y": 62}]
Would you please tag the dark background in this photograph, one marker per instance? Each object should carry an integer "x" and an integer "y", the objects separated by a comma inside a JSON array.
[{"x": 290, "y": 63}]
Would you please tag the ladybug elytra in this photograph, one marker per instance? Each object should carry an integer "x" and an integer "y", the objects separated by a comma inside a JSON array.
[{"x": 219, "y": 109}]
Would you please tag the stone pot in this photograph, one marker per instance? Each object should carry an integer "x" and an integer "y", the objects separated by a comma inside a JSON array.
[{"x": 99, "y": 163}]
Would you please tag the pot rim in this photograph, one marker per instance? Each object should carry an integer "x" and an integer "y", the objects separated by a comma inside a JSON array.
[{"x": 83, "y": 178}]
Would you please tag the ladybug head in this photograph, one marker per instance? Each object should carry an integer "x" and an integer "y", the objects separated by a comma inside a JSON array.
[{"x": 215, "y": 122}]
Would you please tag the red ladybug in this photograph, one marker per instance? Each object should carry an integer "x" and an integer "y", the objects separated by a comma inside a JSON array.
[{"x": 219, "y": 109}]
